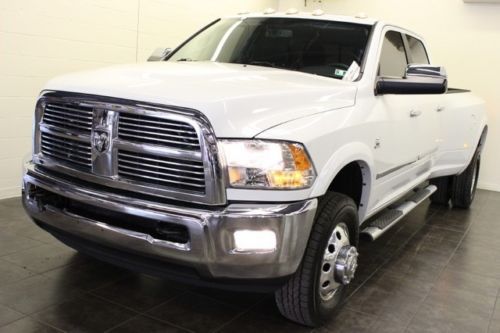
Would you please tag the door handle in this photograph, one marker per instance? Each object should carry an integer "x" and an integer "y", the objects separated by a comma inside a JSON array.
[
  {"x": 440, "y": 108},
  {"x": 415, "y": 113}
]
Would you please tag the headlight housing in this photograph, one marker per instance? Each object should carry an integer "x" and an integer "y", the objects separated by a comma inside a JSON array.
[{"x": 267, "y": 164}]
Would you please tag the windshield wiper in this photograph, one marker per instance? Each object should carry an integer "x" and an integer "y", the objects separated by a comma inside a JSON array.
[
  {"x": 186, "y": 59},
  {"x": 263, "y": 63}
]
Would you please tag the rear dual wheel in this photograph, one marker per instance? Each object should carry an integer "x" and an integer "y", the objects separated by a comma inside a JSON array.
[
  {"x": 460, "y": 189},
  {"x": 312, "y": 294}
]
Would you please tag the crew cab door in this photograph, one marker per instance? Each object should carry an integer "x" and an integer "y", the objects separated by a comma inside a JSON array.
[{"x": 409, "y": 126}]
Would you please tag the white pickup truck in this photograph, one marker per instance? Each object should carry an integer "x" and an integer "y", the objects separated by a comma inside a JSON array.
[{"x": 253, "y": 155}]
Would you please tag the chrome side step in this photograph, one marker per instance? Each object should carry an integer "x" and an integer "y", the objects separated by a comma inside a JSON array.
[{"x": 394, "y": 214}]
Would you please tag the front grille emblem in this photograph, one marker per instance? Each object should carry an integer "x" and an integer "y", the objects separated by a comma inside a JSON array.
[{"x": 100, "y": 141}]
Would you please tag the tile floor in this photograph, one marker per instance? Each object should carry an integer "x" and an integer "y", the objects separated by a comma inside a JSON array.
[{"x": 437, "y": 271}]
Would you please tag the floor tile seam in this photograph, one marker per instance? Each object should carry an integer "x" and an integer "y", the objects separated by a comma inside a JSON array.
[
  {"x": 236, "y": 317},
  {"x": 399, "y": 249},
  {"x": 19, "y": 266},
  {"x": 2, "y": 256},
  {"x": 104, "y": 285},
  {"x": 42, "y": 272},
  {"x": 38, "y": 320},
  {"x": 149, "y": 317},
  {"x": 146, "y": 312},
  {"x": 104, "y": 299},
  {"x": 14, "y": 320},
  {"x": 494, "y": 309},
  {"x": 439, "y": 276},
  {"x": 216, "y": 300}
]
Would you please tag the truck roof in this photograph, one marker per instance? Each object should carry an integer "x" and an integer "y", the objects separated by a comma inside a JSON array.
[{"x": 316, "y": 15}]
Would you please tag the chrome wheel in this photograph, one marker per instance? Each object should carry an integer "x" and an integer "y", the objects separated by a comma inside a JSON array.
[{"x": 339, "y": 264}]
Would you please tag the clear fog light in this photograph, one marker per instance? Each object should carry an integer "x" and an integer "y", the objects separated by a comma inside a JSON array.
[{"x": 252, "y": 240}]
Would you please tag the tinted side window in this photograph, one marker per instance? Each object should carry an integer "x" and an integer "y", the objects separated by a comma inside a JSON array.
[
  {"x": 393, "y": 60},
  {"x": 417, "y": 51}
]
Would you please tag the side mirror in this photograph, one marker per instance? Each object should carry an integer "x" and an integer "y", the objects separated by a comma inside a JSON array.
[
  {"x": 418, "y": 80},
  {"x": 159, "y": 54}
]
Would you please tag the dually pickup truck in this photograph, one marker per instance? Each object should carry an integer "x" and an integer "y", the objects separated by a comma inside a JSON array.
[{"x": 254, "y": 154}]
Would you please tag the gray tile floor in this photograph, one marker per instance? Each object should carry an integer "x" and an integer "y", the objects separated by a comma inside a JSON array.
[{"x": 437, "y": 271}]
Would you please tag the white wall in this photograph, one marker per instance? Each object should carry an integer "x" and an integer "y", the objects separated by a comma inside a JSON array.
[
  {"x": 42, "y": 39},
  {"x": 465, "y": 38}
]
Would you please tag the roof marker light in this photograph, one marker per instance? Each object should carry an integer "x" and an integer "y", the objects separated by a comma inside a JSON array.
[
  {"x": 318, "y": 12},
  {"x": 361, "y": 15},
  {"x": 269, "y": 11},
  {"x": 244, "y": 12},
  {"x": 292, "y": 11}
]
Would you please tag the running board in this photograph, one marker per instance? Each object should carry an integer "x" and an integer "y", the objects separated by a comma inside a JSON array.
[{"x": 394, "y": 214}]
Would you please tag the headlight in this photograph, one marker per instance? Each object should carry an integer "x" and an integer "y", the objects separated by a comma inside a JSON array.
[{"x": 267, "y": 164}]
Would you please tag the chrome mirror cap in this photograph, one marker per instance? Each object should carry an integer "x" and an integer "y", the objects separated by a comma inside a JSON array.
[{"x": 426, "y": 71}]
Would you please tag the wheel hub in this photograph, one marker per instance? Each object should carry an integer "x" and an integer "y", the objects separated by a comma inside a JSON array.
[
  {"x": 339, "y": 263},
  {"x": 346, "y": 264}
]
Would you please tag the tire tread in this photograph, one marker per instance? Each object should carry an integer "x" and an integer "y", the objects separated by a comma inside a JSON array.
[{"x": 294, "y": 299}]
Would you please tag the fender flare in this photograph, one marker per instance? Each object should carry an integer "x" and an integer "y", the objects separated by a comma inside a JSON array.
[
  {"x": 482, "y": 139},
  {"x": 351, "y": 152}
]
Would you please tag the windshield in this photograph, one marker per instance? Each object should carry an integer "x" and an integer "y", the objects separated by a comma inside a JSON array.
[{"x": 313, "y": 46}]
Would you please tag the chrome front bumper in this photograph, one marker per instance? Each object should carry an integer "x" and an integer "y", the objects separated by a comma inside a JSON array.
[{"x": 210, "y": 250}]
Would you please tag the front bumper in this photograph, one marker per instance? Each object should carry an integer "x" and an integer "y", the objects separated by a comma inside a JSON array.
[{"x": 210, "y": 249}]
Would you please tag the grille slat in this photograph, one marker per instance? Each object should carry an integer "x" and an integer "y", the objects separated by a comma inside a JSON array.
[
  {"x": 61, "y": 141},
  {"x": 162, "y": 174},
  {"x": 160, "y": 180},
  {"x": 165, "y": 142},
  {"x": 76, "y": 115},
  {"x": 66, "y": 125},
  {"x": 64, "y": 117},
  {"x": 158, "y": 131},
  {"x": 126, "y": 124},
  {"x": 76, "y": 120},
  {"x": 144, "y": 160},
  {"x": 61, "y": 156},
  {"x": 127, "y": 131},
  {"x": 133, "y": 118},
  {"x": 68, "y": 151},
  {"x": 159, "y": 166},
  {"x": 80, "y": 109},
  {"x": 155, "y": 169},
  {"x": 71, "y": 150}
]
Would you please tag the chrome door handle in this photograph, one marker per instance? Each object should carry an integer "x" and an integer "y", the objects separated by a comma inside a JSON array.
[{"x": 415, "y": 113}]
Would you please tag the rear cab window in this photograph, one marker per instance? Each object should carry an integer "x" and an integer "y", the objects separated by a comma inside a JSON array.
[{"x": 418, "y": 53}]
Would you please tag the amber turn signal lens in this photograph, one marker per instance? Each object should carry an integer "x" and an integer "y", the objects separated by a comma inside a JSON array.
[{"x": 300, "y": 158}]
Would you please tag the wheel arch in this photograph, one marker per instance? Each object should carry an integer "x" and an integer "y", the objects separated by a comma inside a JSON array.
[
  {"x": 482, "y": 138},
  {"x": 349, "y": 171}
]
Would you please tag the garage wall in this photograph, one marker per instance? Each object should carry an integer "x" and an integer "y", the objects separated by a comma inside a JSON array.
[
  {"x": 462, "y": 37},
  {"x": 42, "y": 39}
]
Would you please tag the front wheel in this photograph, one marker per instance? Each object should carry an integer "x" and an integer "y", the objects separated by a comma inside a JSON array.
[{"x": 312, "y": 294}]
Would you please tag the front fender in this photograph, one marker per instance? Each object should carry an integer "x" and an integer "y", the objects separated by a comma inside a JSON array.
[
  {"x": 350, "y": 152},
  {"x": 333, "y": 140}
]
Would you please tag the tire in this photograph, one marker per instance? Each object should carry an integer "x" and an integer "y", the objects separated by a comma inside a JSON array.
[
  {"x": 442, "y": 195},
  {"x": 465, "y": 184},
  {"x": 302, "y": 299}
]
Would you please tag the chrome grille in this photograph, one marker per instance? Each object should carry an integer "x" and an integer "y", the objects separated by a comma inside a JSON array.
[
  {"x": 159, "y": 131},
  {"x": 67, "y": 150},
  {"x": 163, "y": 171},
  {"x": 163, "y": 151},
  {"x": 68, "y": 116}
]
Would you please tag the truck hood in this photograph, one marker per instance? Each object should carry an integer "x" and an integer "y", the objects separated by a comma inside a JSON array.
[{"x": 240, "y": 101}]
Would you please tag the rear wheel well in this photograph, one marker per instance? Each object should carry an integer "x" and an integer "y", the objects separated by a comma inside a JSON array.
[{"x": 349, "y": 181}]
